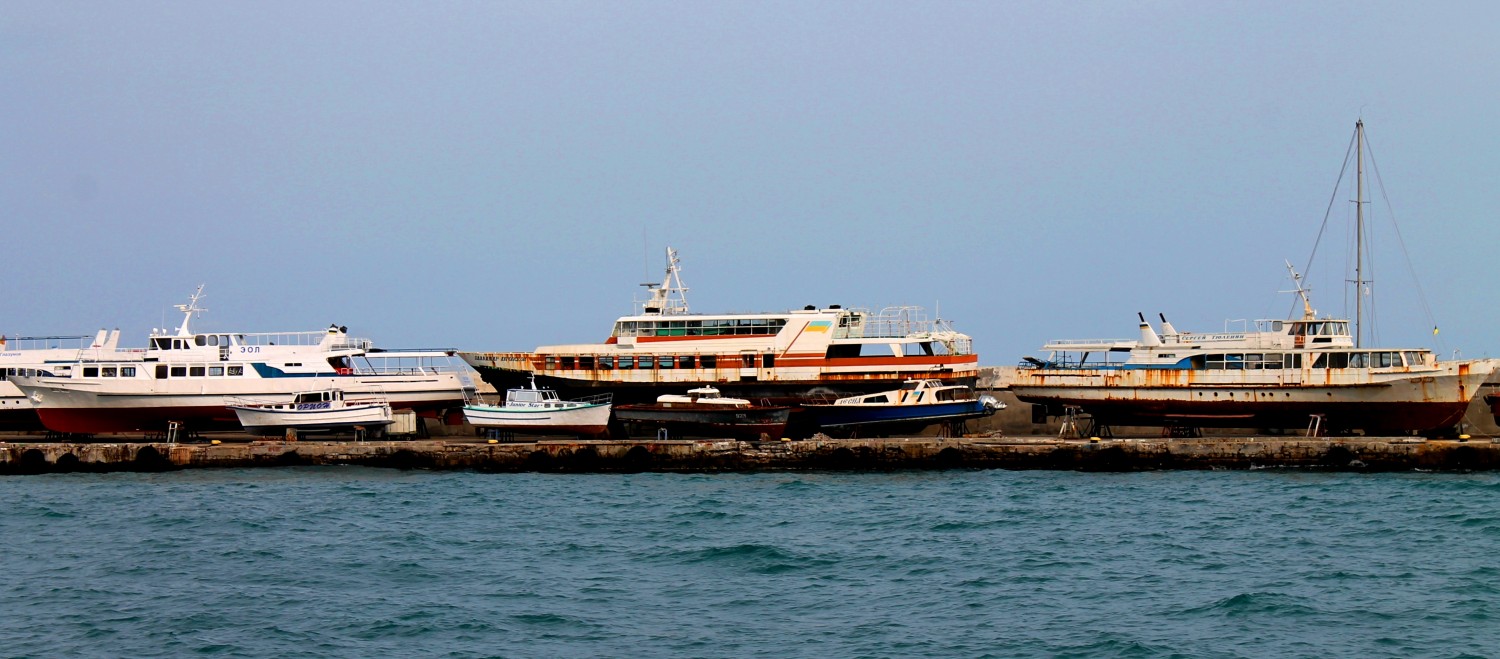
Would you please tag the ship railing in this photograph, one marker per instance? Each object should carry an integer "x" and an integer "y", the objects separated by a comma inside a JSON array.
[
  {"x": 300, "y": 339},
  {"x": 1068, "y": 363},
  {"x": 46, "y": 342},
  {"x": 596, "y": 399}
]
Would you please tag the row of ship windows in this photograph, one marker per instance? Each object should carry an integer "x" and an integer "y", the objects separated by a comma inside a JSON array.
[
  {"x": 167, "y": 343},
  {"x": 610, "y": 362},
  {"x": 1258, "y": 361},
  {"x": 164, "y": 371},
  {"x": 722, "y": 327}
]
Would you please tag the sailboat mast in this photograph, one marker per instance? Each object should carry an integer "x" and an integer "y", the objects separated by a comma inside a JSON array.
[{"x": 1359, "y": 231}]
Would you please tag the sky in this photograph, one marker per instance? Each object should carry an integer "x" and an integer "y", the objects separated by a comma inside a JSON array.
[{"x": 502, "y": 175}]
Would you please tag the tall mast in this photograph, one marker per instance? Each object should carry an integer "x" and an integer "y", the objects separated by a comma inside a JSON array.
[{"x": 1359, "y": 231}]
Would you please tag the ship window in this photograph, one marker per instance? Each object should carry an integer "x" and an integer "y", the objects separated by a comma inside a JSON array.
[
  {"x": 216, "y": 371},
  {"x": 567, "y": 363},
  {"x": 586, "y": 362},
  {"x": 1321, "y": 361},
  {"x": 1272, "y": 362},
  {"x": 747, "y": 361},
  {"x": 1338, "y": 360},
  {"x": 685, "y": 361},
  {"x": 161, "y": 344},
  {"x": 1166, "y": 355},
  {"x": 179, "y": 371},
  {"x": 665, "y": 361},
  {"x": 290, "y": 364},
  {"x": 1359, "y": 360},
  {"x": 161, "y": 371},
  {"x": 91, "y": 371},
  {"x": 223, "y": 339},
  {"x": 1253, "y": 361},
  {"x": 1234, "y": 362},
  {"x": 1197, "y": 362},
  {"x": 1276, "y": 326},
  {"x": 127, "y": 371},
  {"x": 1385, "y": 359},
  {"x": 768, "y": 361},
  {"x": 236, "y": 371},
  {"x": 627, "y": 362},
  {"x": 645, "y": 328},
  {"x": 196, "y": 371},
  {"x": 550, "y": 362},
  {"x": 645, "y": 361},
  {"x": 708, "y": 361},
  {"x": 213, "y": 339},
  {"x": 1213, "y": 362},
  {"x": 109, "y": 371},
  {"x": 200, "y": 340},
  {"x": 1414, "y": 358}
]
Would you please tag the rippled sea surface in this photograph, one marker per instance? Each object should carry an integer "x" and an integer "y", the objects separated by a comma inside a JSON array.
[{"x": 367, "y": 562}]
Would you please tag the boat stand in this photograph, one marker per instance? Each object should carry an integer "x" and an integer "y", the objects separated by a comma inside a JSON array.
[
  {"x": 1072, "y": 415},
  {"x": 1315, "y": 425}
]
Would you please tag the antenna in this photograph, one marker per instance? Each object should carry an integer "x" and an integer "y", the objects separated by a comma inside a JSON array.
[
  {"x": 1308, "y": 313},
  {"x": 189, "y": 309}
]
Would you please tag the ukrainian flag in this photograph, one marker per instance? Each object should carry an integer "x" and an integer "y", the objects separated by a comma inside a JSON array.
[{"x": 819, "y": 325}]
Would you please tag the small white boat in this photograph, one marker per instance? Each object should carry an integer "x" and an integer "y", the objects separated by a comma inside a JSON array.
[
  {"x": 539, "y": 411},
  {"x": 313, "y": 411}
]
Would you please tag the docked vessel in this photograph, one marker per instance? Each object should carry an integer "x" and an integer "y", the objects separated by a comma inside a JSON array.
[
  {"x": 540, "y": 411},
  {"x": 917, "y": 404},
  {"x": 786, "y": 357},
  {"x": 1308, "y": 372},
  {"x": 27, "y": 355},
  {"x": 704, "y": 412},
  {"x": 326, "y": 410},
  {"x": 186, "y": 376}
]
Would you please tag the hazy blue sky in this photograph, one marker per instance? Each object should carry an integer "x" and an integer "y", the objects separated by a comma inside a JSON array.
[{"x": 492, "y": 175}]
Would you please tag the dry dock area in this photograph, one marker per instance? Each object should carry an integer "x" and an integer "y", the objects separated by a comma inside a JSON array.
[{"x": 578, "y": 456}]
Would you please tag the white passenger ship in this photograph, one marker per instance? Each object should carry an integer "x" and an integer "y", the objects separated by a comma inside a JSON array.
[
  {"x": 781, "y": 358},
  {"x": 186, "y": 376},
  {"x": 1306, "y": 372},
  {"x": 25, "y": 355}
]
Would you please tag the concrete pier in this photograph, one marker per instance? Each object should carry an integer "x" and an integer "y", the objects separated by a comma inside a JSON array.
[{"x": 1345, "y": 454}]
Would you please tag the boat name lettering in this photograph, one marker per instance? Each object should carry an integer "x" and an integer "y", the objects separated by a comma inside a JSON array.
[
  {"x": 248, "y": 349},
  {"x": 313, "y": 406}
]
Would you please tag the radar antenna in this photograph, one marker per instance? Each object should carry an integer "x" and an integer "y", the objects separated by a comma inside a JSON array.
[
  {"x": 189, "y": 309},
  {"x": 1308, "y": 313},
  {"x": 670, "y": 296}
]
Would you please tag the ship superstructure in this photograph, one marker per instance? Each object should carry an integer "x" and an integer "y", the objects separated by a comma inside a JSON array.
[{"x": 784, "y": 357}]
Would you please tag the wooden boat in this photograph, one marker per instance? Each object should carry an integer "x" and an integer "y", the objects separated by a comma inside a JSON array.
[
  {"x": 325, "y": 410},
  {"x": 704, "y": 412},
  {"x": 540, "y": 411},
  {"x": 917, "y": 404}
]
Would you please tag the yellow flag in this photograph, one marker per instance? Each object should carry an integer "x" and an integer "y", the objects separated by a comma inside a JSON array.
[{"x": 1434, "y": 330}]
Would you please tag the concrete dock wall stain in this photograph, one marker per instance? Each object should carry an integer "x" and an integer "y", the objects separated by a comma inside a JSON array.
[{"x": 580, "y": 456}]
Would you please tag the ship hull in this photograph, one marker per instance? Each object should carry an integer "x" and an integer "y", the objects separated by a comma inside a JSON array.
[
  {"x": 739, "y": 423},
  {"x": 893, "y": 417},
  {"x": 767, "y": 391},
  {"x": 1425, "y": 402},
  {"x": 65, "y": 407},
  {"x": 261, "y": 421},
  {"x": 591, "y": 420}
]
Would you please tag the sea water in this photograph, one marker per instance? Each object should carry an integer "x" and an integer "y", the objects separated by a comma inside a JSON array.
[{"x": 345, "y": 561}]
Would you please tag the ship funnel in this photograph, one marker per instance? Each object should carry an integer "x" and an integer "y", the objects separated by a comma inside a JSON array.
[
  {"x": 99, "y": 338},
  {"x": 1148, "y": 335},
  {"x": 1166, "y": 327}
]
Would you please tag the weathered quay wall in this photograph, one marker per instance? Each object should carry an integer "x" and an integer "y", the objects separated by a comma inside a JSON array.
[{"x": 1357, "y": 454}]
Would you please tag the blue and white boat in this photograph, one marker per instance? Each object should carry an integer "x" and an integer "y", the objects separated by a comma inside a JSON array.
[{"x": 916, "y": 404}]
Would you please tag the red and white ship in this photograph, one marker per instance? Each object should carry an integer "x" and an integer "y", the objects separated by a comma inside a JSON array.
[{"x": 775, "y": 358}]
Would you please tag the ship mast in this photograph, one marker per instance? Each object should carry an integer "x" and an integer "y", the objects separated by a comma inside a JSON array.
[{"x": 1359, "y": 231}]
